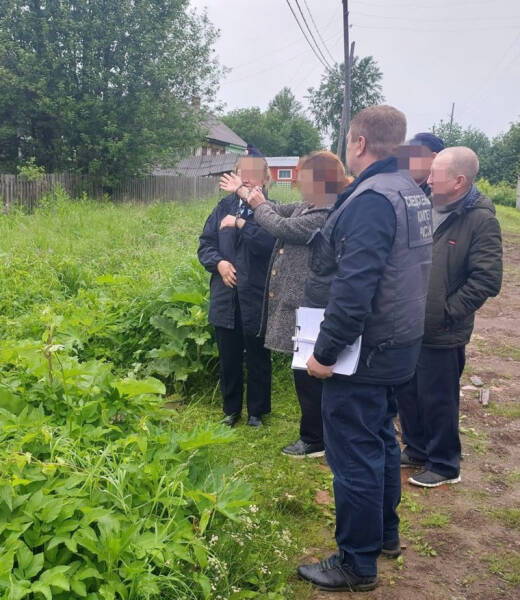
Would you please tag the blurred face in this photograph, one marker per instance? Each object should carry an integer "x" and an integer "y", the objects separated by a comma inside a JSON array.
[
  {"x": 446, "y": 186},
  {"x": 252, "y": 171},
  {"x": 321, "y": 183},
  {"x": 417, "y": 160}
]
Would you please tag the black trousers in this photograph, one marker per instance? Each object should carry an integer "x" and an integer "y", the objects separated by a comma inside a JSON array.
[
  {"x": 231, "y": 346},
  {"x": 309, "y": 391},
  {"x": 429, "y": 410}
]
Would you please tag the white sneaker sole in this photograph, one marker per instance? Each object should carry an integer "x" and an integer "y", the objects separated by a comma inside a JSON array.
[
  {"x": 433, "y": 485},
  {"x": 310, "y": 455}
]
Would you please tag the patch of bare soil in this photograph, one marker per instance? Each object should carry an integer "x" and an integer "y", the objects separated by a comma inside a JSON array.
[{"x": 476, "y": 549}]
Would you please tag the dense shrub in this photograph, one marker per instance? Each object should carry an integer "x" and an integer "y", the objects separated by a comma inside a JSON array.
[{"x": 500, "y": 193}]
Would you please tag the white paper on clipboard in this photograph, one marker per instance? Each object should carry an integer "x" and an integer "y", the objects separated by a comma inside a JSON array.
[{"x": 308, "y": 322}]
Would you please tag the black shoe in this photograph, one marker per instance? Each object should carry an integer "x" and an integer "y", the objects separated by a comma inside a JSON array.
[
  {"x": 430, "y": 479},
  {"x": 331, "y": 574},
  {"x": 231, "y": 419},
  {"x": 301, "y": 449},
  {"x": 391, "y": 549},
  {"x": 408, "y": 461},
  {"x": 254, "y": 421}
]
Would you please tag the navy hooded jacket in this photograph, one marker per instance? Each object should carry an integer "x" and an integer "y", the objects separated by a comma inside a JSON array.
[{"x": 249, "y": 250}]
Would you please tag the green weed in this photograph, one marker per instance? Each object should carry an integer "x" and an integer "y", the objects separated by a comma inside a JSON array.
[
  {"x": 506, "y": 565},
  {"x": 436, "y": 519},
  {"x": 509, "y": 516}
]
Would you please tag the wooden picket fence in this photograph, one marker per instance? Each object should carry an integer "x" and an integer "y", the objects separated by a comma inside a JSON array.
[{"x": 16, "y": 190}]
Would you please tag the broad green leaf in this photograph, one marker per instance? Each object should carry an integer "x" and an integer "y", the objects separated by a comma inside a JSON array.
[
  {"x": 36, "y": 566},
  {"x": 78, "y": 587},
  {"x": 201, "y": 554},
  {"x": 206, "y": 435},
  {"x": 88, "y": 572},
  {"x": 6, "y": 562},
  {"x": 51, "y": 510},
  {"x": 56, "y": 577},
  {"x": 24, "y": 556},
  {"x": 204, "y": 520},
  {"x": 136, "y": 387},
  {"x": 205, "y": 584},
  {"x": 19, "y": 590},
  {"x": 6, "y": 495},
  {"x": 42, "y": 589}
]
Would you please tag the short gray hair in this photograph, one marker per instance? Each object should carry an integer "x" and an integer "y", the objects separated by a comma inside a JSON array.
[{"x": 461, "y": 160}]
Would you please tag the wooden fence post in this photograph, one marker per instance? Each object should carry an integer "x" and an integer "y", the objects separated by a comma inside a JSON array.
[{"x": 518, "y": 193}]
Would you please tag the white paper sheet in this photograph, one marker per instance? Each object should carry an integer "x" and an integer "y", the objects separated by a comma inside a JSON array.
[{"x": 308, "y": 322}]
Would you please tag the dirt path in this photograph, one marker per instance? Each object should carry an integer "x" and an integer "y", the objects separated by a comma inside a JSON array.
[{"x": 463, "y": 541}]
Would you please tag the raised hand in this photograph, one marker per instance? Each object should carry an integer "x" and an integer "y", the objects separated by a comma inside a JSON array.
[
  {"x": 255, "y": 198},
  {"x": 232, "y": 183}
]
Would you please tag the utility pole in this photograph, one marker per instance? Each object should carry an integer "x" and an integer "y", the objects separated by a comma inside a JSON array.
[
  {"x": 451, "y": 117},
  {"x": 345, "y": 113}
]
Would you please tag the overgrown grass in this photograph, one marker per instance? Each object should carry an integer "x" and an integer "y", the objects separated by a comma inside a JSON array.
[{"x": 509, "y": 219}]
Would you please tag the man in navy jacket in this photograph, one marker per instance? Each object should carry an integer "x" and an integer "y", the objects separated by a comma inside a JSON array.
[{"x": 370, "y": 266}]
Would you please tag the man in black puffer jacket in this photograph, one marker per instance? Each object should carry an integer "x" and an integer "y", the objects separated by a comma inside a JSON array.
[{"x": 466, "y": 271}]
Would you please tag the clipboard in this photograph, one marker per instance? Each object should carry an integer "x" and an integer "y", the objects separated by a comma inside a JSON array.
[{"x": 308, "y": 321}]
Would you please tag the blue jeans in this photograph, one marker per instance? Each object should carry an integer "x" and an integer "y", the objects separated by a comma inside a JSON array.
[{"x": 364, "y": 456}]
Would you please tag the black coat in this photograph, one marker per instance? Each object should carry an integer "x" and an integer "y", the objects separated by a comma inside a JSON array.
[
  {"x": 466, "y": 271},
  {"x": 249, "y": 250}
]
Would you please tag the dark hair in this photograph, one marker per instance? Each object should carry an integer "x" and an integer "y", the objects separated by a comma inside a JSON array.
[{"x": 430, "y": 140}]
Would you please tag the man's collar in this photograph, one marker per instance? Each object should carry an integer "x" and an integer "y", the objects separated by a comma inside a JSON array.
[{"x": 385, "y": 165}]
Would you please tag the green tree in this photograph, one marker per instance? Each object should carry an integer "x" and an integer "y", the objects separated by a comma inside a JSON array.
[
  {"x": 326, "y": 101},
  {"x": 281, "y": 130},
  {"x": 285, "y": 105},
  {"x": 102, "y": 87},
  {"x": 252, "y": 125},
  {"x": 505, "y": 156}
]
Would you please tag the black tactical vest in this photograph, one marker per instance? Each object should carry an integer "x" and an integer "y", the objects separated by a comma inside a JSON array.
[{"x": 397, "y": 315}]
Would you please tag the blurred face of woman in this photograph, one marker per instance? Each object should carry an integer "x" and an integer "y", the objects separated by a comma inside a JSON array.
[
  {"x": 321, "y": 183},
  {"x": 252, "y": 171}
]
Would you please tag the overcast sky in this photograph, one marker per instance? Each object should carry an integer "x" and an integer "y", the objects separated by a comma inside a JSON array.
[{"x": 431, "y": 53}]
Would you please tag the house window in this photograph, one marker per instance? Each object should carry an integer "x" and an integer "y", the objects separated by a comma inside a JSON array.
[{"x": 284, "y": 173}]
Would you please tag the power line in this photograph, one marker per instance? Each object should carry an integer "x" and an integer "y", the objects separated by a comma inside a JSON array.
[
  {"x": 324, "y": 63},
  {"x": 318, "y": 32},
  {"x": 312, "y": 35}
]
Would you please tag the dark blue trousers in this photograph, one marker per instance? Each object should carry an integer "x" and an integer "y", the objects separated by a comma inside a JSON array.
[
  {"x": 429, "y": 410},
  {"x": 364, "y": 456}
]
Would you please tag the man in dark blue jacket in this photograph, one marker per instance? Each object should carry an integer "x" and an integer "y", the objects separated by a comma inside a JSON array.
[{"x": 370, "y": 266}]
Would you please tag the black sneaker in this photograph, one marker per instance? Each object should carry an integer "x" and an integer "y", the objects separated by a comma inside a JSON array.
[
  {"x": 231, "y": 420},
  {"x": 430, "y": 479},
  {"x": 254, "y": 421},
  {"x": 391, "y": 549},
  {"x": 301, "y": 449},
  {"x": 333, "y": 575},
  {"x": 408, "y": 461}
]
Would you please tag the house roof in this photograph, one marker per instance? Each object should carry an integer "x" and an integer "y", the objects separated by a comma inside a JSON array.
[
  {"x": 282, "y": 161},
  {"x": 220, "y": 132},
  {"x": 202, "y": 166}
]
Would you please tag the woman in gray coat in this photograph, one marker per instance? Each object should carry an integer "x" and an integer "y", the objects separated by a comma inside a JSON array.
[{"x": 320, "y": 178}]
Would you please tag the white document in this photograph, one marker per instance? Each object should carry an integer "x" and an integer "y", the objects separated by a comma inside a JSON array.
[{"x": 308, "y": 322}]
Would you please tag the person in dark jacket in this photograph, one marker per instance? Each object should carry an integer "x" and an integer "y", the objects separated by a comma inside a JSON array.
[
  {"x": 321, "y": 176},
  {"x": 236, "y": 251},
  {"x": 369, "y": 269},
  {"x": 466, "y": 271}
]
